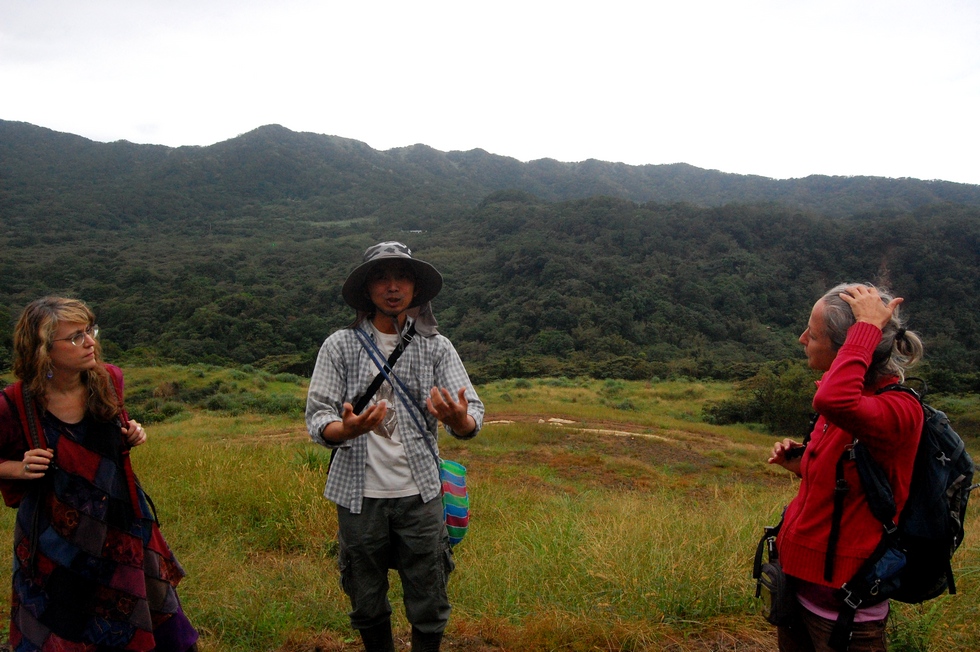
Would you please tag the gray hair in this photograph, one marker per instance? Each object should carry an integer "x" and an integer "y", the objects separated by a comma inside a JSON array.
[{"x": 898, "y": 350}]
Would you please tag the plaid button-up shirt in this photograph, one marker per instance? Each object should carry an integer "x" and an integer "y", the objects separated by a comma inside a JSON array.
[{"x": 344, "y": 370}]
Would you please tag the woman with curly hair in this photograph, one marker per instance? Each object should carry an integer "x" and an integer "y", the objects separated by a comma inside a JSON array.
[{"x": 91, "y": 569}]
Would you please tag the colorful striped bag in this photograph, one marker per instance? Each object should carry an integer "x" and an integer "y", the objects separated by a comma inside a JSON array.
[{"x": 455, "y": 500}]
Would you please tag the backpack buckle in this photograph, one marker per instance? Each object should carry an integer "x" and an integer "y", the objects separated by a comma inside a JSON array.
[{"x": 850, "y": 598}]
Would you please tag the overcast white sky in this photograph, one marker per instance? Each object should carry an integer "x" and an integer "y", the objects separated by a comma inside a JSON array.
[{"x": 780, "y": 88}]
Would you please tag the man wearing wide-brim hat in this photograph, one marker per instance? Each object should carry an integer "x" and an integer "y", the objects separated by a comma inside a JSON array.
[{"x": 384, "y": 474}]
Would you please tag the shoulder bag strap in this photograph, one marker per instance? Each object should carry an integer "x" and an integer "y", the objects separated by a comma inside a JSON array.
[
  {"x": 372, "y": 389},
  {"x": 401, "y": 391},
  {"x": 380, "y": 378},
  {"x": 115, "y": 375}
]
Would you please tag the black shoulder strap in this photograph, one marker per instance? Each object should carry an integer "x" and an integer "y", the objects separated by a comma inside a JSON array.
[
  {"x": 793, "y": 453},
  {"x": 841, "y": 489},
  {"x": 854, "y": 592},
  {"x": 896, "y": 387},
  {"x": 380, "y": 378},
  {"x": 372, "y": 389},
  {"x": 809, "y": 431}
]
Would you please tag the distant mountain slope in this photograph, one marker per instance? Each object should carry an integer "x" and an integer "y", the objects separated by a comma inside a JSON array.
[
  {"x": 335, "y": 178},
  {"x": 235, "y": 253}
]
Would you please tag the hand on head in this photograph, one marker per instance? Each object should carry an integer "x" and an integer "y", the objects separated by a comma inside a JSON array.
[{"x": 865, "y": 303}]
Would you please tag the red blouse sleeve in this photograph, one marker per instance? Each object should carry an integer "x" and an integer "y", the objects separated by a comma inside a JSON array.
[{"x": 880, "y": 420}]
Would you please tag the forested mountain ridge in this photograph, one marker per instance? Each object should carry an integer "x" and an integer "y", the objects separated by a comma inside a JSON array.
[
  {"x": 235, "y": 253},
  {"x": 335, "y": 178}
]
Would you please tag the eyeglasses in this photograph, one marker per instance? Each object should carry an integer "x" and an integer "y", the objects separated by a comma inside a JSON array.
[{"x": 79, "y": 337}]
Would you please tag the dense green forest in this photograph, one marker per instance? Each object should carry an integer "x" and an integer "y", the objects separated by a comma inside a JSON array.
[{"x": 235, "y": 253}]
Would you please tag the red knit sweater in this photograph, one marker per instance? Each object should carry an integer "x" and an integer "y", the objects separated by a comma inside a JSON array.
[{"x": 889, "y": 424}]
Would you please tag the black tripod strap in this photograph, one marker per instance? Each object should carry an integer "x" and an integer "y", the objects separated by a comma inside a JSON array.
[{"x": 380, "y": 378}]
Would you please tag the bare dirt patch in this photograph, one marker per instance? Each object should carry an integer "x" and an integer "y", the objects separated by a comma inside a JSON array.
[{"x": 601, "y": 453}]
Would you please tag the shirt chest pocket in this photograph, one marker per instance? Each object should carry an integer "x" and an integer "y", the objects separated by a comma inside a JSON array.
[{"x": 418, "y": 383}]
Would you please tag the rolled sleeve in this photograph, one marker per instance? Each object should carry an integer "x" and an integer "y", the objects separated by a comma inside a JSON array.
[
  {"x": 328, "y": 391},
  {"x": 451, "y": 374}
]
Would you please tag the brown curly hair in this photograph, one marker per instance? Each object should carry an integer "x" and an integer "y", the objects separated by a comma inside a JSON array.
[{"x": 33, "y": 337}]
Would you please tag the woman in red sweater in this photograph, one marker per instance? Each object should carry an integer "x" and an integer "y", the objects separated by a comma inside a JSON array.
[{"x": 856, "y": 338}]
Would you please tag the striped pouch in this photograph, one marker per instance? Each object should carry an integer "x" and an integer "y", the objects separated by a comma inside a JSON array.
[{"x": 455, "y": 500}]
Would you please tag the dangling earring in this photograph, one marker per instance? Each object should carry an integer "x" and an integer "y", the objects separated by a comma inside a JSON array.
[{"x": 50, "y": 373}]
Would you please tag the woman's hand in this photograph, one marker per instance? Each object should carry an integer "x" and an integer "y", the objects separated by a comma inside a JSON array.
[
  {"x": 36, "y": 463},
  {"x": 784, "y": 453},
  {"x": 865, "y": 303},
  {"x": 134, "y": 434}
]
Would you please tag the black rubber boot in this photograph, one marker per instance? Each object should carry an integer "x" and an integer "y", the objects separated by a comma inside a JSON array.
[
  {"x": 378, "y": 638},
  {"x": 422, "y": 642}
]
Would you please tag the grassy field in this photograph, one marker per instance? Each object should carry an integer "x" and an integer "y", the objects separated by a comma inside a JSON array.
[{"x": 605, "y": 516}]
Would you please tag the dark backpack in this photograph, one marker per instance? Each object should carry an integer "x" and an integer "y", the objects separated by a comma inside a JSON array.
[{"x": 912, "y": 563}]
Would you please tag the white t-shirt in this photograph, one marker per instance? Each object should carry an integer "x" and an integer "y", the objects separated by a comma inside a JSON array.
[{"x": 387, "y": 474}]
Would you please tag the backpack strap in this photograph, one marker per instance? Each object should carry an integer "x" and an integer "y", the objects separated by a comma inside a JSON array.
[
  {"x": 20, "y": 398},
  {"x": 793, "y": 453},
  {"x": 856, "y": 591},
  {"x": 898, "y": 387},
  {"x": 13, "y": 491},
  {"x": 875, "y": 485},
  {"x": 841, "y": 490},
  {"x": 22, "y": 401},
  {"x": 115, "y": 373}
]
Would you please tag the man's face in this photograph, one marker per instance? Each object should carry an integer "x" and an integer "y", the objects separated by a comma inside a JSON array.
[
  {"x": 391, "y": 287},
  {"x": 820, "y": 351}
]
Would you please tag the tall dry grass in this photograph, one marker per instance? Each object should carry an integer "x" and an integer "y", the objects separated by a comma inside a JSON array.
[{"x": 630, "y": 526}]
